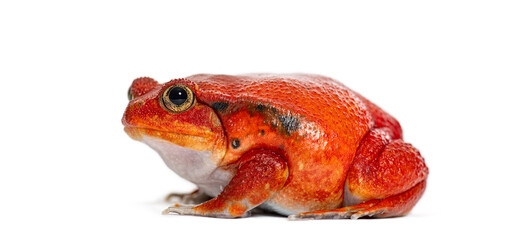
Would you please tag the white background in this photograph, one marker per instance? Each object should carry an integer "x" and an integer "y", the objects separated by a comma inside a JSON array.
[{"x": 450, "y": 71}]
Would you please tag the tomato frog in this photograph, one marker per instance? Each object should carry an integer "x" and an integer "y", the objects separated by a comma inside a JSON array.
[{"x": 300, "y": 145}]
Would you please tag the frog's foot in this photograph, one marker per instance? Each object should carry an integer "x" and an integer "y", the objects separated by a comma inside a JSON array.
[
  {"x": 340, "y": 213},
  {"x": 182, "y": 209},
  {"x": 397, "y": 205},
  {"x": 195, "y": 197}
]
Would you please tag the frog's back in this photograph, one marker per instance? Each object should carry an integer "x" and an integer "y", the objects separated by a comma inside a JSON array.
[
  {"x": 315, "y": 97},
  {"x": 314, "y": 122}
]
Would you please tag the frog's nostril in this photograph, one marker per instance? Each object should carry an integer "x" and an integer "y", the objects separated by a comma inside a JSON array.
[{"x": 125, "y": 120}]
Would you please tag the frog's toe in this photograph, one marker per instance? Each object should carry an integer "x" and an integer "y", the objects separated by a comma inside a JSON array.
[
  {"x": 195, "y": 197},
  {"x": 179, "y": 209},
  {"x": 368, "y": 213},
  {"x": 318, "y": 215}
]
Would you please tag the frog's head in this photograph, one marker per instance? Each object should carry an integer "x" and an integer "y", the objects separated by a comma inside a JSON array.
[{"x": 169, "y": 116}]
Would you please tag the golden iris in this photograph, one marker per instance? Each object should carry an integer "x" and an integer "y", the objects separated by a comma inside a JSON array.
[{"x": 177, "y": 99}]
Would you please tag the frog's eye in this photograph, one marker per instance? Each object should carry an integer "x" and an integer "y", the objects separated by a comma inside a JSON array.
[{"x": 177, "y": 99}]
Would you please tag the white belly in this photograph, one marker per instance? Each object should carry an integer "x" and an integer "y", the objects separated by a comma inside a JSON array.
[{"x": 195, "y": 166}]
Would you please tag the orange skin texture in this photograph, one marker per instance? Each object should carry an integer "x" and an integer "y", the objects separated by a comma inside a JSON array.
[{"x": 314, "y": 139}]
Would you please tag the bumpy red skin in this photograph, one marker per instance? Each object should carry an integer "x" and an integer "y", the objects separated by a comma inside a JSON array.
[{"x": 334, "y": 142}]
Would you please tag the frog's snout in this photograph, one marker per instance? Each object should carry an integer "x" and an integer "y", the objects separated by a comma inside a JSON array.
[
  {"x": 134, "y": 110},
  {"x": 127, "y": 119}
]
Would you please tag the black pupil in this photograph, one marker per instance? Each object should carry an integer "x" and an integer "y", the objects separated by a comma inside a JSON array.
[{"x": 178, "y": 96}]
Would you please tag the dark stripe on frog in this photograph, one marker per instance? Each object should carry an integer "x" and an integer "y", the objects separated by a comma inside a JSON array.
[
  {"x": 260, "y": 107},
  {"x": 220, "y": 106},
  {"x": 289, "y": 123},
  {"x": 283, "y": 123}
]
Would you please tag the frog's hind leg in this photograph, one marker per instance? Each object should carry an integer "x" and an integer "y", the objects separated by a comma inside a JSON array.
[{"x": 386, "y": 179}]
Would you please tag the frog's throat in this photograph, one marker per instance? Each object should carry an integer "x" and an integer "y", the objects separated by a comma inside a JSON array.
[
  {"x": 208, "y": 142},
  {"x": 195, "y": 166}
]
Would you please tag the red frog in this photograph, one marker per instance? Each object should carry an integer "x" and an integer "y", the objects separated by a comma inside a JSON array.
[{"x": 304, "y": 146}]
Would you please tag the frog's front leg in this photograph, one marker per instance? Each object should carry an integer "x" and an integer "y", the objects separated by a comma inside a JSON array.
[{"x": 261, "y": 174}]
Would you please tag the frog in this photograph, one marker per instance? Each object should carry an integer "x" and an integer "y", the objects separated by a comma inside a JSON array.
[{"x": 299, "y": 145}]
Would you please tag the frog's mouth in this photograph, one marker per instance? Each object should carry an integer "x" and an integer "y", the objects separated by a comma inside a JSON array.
[{"x": 196, "y": 142}]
